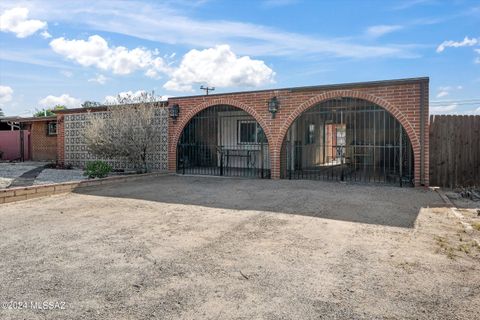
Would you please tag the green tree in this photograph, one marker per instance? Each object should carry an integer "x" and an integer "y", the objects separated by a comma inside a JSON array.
[
  {"x": 91, "y": 104},
  {"x": 1, "y": 113},
  {"x": 49, "y": 111}
]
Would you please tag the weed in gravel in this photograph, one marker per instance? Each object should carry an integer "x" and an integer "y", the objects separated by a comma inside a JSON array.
[
  {"x": 464, "y": 247},
  {"x": 445, "y": 247}
]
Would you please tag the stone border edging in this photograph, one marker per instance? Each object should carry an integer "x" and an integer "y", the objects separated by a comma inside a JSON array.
[
  {"x": 466, "y": 226},
  {"x": 42, "y": 190}
]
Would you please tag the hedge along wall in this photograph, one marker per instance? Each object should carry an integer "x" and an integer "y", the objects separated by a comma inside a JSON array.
[{"x": 76, "y": 152}]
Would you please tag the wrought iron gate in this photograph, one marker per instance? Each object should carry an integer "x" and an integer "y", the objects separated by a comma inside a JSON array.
[
  {"x": 223, "y": 141},
  {"x": 348, "y": 139}
]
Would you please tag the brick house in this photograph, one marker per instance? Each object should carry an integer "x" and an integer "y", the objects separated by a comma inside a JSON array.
[{"x": 374, "y": 132}]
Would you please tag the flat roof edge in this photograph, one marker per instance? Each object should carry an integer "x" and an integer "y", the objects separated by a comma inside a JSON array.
[
  {"x": 29, "y": 119},
  {"x": 322, "y": 86}
]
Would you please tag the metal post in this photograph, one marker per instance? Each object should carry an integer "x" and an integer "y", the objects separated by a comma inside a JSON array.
[
  {"x": 221, "y": 161},
  {"x": 261, "y": 159},
  {"x": 401, "y": 156},
  {"x": 22, "y": 145}
]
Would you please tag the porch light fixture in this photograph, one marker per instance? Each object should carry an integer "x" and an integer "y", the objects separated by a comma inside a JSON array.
[
  {"x": 273, "y": 105},
  {"x": 174, "y": 111}
]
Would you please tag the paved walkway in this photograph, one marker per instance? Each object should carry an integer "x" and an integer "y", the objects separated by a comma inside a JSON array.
[
  {"x": 28, "y": 173},
  {"x": 9, "y": 171},
  {"x": 27, "y": 179}
]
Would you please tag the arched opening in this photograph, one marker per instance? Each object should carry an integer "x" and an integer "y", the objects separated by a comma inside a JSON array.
[
  {"x": 223, "y": 140},
  {"x": 348, "y": 139}
]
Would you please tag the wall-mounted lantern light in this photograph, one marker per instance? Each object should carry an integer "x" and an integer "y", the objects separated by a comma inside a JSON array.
[
  {"x": 273, "y": 105},
  {"x": 174, "y": 111}
]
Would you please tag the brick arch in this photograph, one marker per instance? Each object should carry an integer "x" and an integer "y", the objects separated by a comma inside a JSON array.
[
  {"x": 180, "y": 126},
  {"x": 394, "y": 111},
  {"x": 222, "y": 101}
]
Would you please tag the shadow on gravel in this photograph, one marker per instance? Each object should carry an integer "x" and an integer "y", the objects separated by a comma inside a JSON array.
[{"x": 380, "y": 205}]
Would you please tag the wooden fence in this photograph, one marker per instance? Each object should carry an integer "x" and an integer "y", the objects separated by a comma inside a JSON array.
[{"x": 454, "y": 151}]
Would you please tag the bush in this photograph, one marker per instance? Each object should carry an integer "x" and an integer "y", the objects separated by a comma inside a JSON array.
[{"x": 97, "y": 169}]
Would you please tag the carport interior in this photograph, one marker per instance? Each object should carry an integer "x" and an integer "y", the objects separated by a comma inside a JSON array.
[
  {"x": 348, "y": 139},
  {"x": 225, "y": 141}
]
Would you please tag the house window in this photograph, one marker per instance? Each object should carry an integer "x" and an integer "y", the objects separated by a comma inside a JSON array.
[
  {"x": 310, "y": 134},
  {"x": 250, "y": 132},
  {"x": 52, "y": 128}
]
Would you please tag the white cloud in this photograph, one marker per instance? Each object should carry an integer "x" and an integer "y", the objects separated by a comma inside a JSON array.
[
  {"x": 380, "y": 30},
  {"x": 411, "y": 3},
  {"x": 96, "y": 52},
  {"x": 477, "y": 59},
  {"x": 467, "y": 42},
  {"x": 447, "y": 109},
  {"x": 442, "y": 93},
  {"x": 181, "y": 29},
  {"x": 445, "y": 91},
  {"x": 221, "y": 67},
  {"x": 133, "y": 96},
  {"x": 16, "y": 21},
  {"x": 100, "y": 78},
  {"x": 45, "y": 34},
  {"x": 64, "y": 100},
  {"x": 218, "y": 66},
  {"x": 6, "y": 94},
  {"x": 67, "y": 73}
]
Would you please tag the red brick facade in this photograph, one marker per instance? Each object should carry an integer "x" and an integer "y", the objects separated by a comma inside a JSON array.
[
  {"x": 43, "y": 146},
  {"x": 406, "y": 100},
  {"x": 60, "y": 139}
]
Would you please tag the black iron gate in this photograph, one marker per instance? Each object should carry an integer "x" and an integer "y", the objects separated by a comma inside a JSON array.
[
  {"x": 348, "y": 139},
  {"x": 223, "y": 141}
]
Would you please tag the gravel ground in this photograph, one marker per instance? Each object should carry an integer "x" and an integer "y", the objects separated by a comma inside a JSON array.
[
  {"x": 11, "y": 170},
  {"x": 58, "y": 175},
  {"x": 209, "y": 248}
]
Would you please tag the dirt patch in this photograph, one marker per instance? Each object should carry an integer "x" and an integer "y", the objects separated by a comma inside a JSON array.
[{"x": 205, "y": 248}]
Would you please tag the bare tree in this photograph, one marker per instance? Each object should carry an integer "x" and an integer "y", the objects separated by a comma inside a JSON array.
[
  {"x": 128, "y": 131},
  {"x": 130, "y": 97}
]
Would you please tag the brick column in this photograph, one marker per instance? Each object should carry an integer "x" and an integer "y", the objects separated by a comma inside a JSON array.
[{"x": 60, "y": 140}]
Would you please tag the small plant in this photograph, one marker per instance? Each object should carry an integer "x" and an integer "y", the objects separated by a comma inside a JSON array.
[
  {"x": 464, "y": 248},
  {"x": 97, "y": 169},
  {"x": 476, "y": 226}
]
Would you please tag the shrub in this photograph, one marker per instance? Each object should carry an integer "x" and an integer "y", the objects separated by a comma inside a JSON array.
[{"x": 97, "y": 169}]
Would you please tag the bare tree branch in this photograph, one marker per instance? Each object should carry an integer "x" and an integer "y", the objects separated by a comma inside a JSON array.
[{"x": 127, "y": 131}]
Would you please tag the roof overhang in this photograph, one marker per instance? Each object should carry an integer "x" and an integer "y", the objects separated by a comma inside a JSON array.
[{"x": 27, "y": 120}]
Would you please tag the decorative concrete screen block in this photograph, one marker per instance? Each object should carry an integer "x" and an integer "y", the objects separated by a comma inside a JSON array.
[{"x": 77, "y": 154}]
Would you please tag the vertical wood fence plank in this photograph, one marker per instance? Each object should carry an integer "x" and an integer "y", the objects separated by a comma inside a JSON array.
[{"x": 454, "y": 151}]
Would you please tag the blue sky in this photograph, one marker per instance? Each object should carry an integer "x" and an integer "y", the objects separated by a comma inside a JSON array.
[{"x": 70, "y": 51}]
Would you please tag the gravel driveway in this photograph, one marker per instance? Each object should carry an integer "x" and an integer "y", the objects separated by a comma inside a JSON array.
[{"x": 210, "y": 248}]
